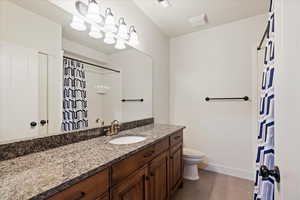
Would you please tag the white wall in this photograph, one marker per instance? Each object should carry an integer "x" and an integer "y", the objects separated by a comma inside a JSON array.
[
  {"x": 105, "y": 106},
  {"x": 22, "y": 27},
  {"x": 287, "y": 97},
  {"x": 112, "y": 106},
  {"x": 83, "y": 52},
  {"x": 95, "y": 101},
  {"x": 154, "y": 43},
  {"x": 217, "y": 62},
  {"x": 136, "y": 72}
]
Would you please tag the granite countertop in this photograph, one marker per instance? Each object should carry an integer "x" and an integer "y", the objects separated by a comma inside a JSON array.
[{"x": 40, "y": 175}]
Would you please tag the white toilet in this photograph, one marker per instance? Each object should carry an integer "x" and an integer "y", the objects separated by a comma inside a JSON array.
[{"x": 191, "y": 159}]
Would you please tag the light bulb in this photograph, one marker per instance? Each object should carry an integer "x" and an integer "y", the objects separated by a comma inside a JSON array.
[
  {"x": 109, "y": 38},
  {"x": 93, "y": 13},
  {"x": 120, "y": 44},
  {"x": 122, "y": 32},
  {"x": 78, "y": 24},
  {"x": 133, "y": 40},
  {"x": 95, "y": 32},
  {"x": 109, "y": 25}
]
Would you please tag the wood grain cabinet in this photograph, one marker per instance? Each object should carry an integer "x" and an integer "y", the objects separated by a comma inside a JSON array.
[
  {"x": 91, "y": 188},
  {"x": 104, "y": 197},
  {"x": 176, "y": 167},
  {"x": 159, "y": 177},
  {"x": 154, "y": 173},
  {"x": 135, "y": 187}
]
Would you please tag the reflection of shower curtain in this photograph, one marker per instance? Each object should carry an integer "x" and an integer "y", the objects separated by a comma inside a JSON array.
[
  {"x": 264, "y": 188},
  {"x": 75, "y": 96}
]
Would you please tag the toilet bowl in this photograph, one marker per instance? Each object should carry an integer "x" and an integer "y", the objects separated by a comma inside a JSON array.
[{"x": 191, "y": 159}]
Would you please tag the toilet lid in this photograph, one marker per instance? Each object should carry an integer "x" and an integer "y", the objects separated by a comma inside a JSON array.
[{"x": 192, "y": 153}]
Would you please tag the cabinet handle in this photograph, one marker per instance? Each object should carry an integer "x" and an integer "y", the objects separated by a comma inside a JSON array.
[
  {"x": 33, "y": 124},
  {"x": 171, "y": 157},
  {"x": 177, "y": 137},
  {"x": 82, "y": 194},
  {"x": 147, "y": 178},
  {"x": 152, "y": 174},
  {"x": 43, "y": 122},
  {"x": 148, "y": 154}
]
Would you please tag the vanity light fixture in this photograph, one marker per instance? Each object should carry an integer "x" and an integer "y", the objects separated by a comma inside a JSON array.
[
  {"x": 109, "y": 38},
  {"x": 109, "y": 25},
  {"x": 95, "y": 32},
  {"x": 133, "y": 37},
  {"x": 78, "y": 23},
  {"x": 120, "y": 44},
  {"x": 122, "y": 30},
  {"x": 103, "y": 24},
  {"x": 164, "y": 3},
  {"x": 93, "y": 13}
]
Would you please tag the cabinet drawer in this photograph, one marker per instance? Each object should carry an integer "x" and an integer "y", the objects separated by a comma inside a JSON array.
[
  {"x": 88, "y": 189},
  {"x": 176, "y": 138},
  {"x": 161, "y": 146},
  {"x": 125, "y": 167}
]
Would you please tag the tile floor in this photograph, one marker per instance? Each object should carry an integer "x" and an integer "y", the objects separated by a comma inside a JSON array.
[{"x": 213, "y": 186}]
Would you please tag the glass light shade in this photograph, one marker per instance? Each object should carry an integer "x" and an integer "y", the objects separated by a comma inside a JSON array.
[
  {"x": 134, "y": 40},
  {"x": 109, "y": 25},
  {"x": 93, "y": 13},
  {"x": 120, "y": 44},
  {"x": 123, "y": 32},
  {"x": 109, "y": 38},
  {"x": 95, "y": 32},
  {"x": 78, "y": 24},
  {"x": 110, "y": 28}
]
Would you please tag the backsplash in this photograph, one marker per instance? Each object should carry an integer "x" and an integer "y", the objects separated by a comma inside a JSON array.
[{"x": 17, "y": 149}]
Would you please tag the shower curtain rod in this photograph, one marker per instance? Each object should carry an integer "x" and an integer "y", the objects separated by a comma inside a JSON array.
[
  {"x": 263, "y": 38},
  {"x": 84, "y": 62}
]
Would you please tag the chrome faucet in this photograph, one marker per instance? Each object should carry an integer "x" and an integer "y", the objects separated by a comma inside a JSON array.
[{"x": 114, "y": 128}]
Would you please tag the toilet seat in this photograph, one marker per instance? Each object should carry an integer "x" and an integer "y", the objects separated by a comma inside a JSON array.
[{"x": 192, "y": 153}]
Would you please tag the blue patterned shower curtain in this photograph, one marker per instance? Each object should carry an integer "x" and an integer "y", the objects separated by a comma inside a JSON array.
[
  {"x": 264, "y": 188},
  {"x": 75, "y": 96}
]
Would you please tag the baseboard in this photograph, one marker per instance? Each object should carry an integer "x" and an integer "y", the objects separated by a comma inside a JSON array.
[{"x": 228, "y": 171}]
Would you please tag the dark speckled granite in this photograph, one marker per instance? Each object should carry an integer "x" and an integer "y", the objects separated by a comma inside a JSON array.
[
  {"x": 39, "y": 176},
  {"x": 17, "y": 149}
]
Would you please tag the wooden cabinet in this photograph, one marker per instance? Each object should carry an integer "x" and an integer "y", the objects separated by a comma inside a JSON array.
[
  {"x": 104, "y": 197},
  {"x": 127, "y": 166},
  {"x": 135, "y": 187},
  {"x": 159, "y": 177},
  {"x": 88, "y": 189},
  {"x": 176, "y": 167},
  {"x": 153, "y": 173},
  {"x": 176, "y": 138}
]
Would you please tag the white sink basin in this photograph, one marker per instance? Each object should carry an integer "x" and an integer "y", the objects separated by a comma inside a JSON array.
[{"x": 127, "y": 139}]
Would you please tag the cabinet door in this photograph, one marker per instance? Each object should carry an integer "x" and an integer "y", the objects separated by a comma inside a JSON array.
[
  {"x": 176, "y": 166},
  {"x": 134, "y": 187},
  {"x": 104, "y": 197},
  {"x": 159, "y": 177},
  {"x": 19, "y": 91}
]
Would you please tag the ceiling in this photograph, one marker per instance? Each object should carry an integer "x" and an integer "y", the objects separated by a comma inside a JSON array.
[{"x": 173, "y": 21}]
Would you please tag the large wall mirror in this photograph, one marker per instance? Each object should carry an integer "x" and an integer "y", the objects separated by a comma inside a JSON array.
[{"x": 54, "y": 79}]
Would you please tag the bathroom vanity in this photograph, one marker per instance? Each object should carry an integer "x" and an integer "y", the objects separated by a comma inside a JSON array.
[{"x": 97, "y": 170}]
